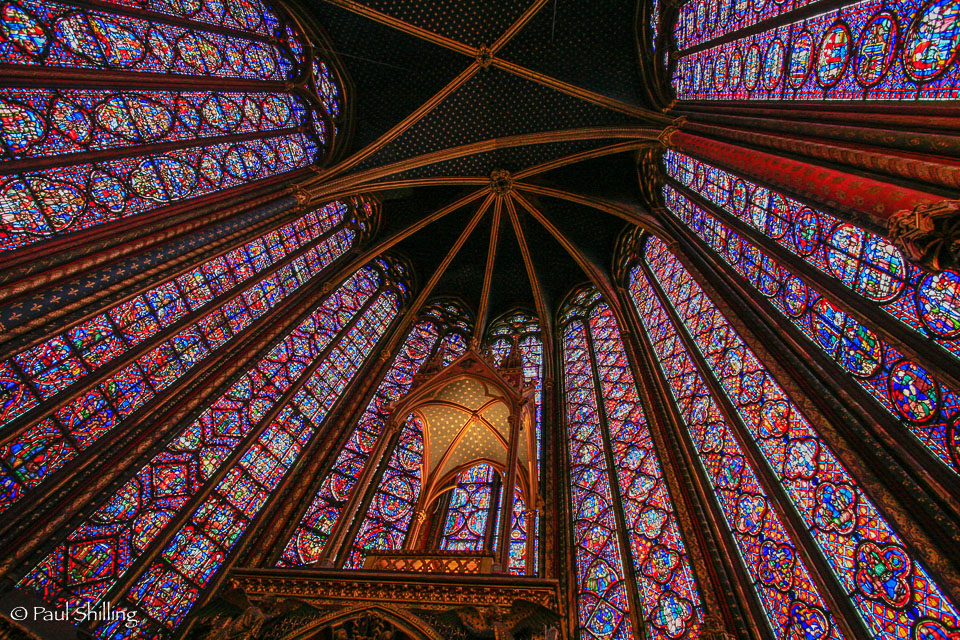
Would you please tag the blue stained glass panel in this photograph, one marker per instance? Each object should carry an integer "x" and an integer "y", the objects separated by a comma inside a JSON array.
[{"x": 873, "y": 49}]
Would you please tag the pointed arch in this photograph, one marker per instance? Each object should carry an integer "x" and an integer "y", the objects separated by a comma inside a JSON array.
[
  {"x": 401, "y": 619},
  {"x": 440, "y": 333}
]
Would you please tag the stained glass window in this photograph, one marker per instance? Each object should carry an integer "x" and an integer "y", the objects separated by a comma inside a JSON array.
[
  {"x": 874, "y": 50},
  {"x": 604, "y": 411},
  {"x": 112, "y": 364},
  {"x": 240, "y": 447},
  {"x": 865, "y": 554},
  {"x": 861, "y": 261},
  {"x": 518, "y": 535},
  {"x": 701, "y": 21},
  {"x": 248, "y": 15},
  {"x": 468, "y": 525},
  {"x": 602, "y": 601},
  {"x": 924, "y": 405},
  {"x": 527, "y": 330},
  {"x": 78, "y": 156},
  {"x": 654, "y": 24},
  {"x": 385, "y": 524}
]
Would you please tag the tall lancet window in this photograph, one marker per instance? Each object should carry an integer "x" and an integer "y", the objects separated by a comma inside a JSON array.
[
  {"x": 204, "y": 97},
  {"x": 394, "y": 475},
  {"x": 62, "y": 396},
  {"x": 629, "y": 552},
  {"x": 872, "y": 49},
  {"x": 733, "y": 399},
  {"x": 526, "y": 329},
  {"x": 654, "y": 24},
  {"x": 156, "y": 543},
  {"x": 473, "y": 513},
  {"x": 862, "y": 265}
]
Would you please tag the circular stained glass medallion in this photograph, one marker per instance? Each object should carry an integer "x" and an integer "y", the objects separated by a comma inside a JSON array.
[
  {"x": 806, "y": 232},
  {"x": 773, "y": 64},
  {"x": 801, "y": 53},
  {"x": 933, "y": 40},
  {"x": 833, "y": 55},
  {"x": 938, "y": 301},
  {"x": 875, "y": 52},
  {"x": 751, "y": 67},
  {"x": 914, "y": 392}
]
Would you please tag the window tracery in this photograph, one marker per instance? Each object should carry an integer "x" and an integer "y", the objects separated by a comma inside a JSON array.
[
  {"x": 527, "y": 329},
  {"x": 109, "y": 366},
  {"x": 467, "y": 525},
  {"x": 875, "y": 50},
  {"x": 232, "y": 457},
  {"x": 79, "y": 156},
  {"x": 604, "y": 411},
  {"x": 865, "y": 554},
  {"x": 862, "y": 261},
  {"x": 385, "y": 523}
]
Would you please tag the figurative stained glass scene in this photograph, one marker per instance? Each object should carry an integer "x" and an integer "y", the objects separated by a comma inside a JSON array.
[{"x": 526, "y": 320}]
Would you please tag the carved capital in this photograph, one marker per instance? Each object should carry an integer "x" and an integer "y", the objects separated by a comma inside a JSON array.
[
  {"x": 671, "y": 129},
  {"x": 650, "y": 174},
  {"x": 929, "y": 234},
  {"x": 302, "y": 195},
  {"x": 391, "y": 428},
  {"x": 419, "y": 516}
]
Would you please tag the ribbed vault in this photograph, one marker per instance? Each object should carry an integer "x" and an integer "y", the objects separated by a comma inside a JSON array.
[{"x": 447, "y": 97}]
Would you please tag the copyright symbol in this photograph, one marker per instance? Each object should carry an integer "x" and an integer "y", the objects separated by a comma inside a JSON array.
[{"x": 19, "y": 613}]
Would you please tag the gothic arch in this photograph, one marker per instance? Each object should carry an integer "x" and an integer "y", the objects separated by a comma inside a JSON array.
[{"x": 400, "y": 619}]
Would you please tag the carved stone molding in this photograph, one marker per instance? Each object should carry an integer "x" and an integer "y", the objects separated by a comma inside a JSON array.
[
  {"x": 650, "y": 175},
  {"x": 429, "y": 592},
  {"x": 458, "y": 562},
  {"x": 713, "y": 629},
  {"x": 929, "y": 234}
]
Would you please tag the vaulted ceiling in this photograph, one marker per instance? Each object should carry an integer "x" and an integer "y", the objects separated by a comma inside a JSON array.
[{"x": 445, "y": 92}]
